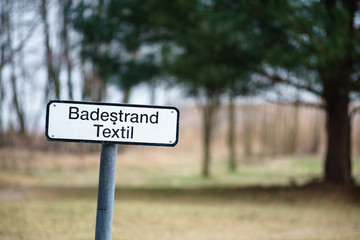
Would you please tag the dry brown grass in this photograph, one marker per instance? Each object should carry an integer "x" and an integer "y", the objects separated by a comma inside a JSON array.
[
  {"x": 159, "y": 195},
  {"x": 313, "y": 212}
]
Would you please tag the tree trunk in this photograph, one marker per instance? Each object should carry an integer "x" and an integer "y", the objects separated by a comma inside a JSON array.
[
  {"x": 231, "y": 134},
  {"x": 13, "y": 80},
  {"x": 338, "y": 156},
  {"x": 52, "y": 70},
  {"x": 209, "y": 113},
  {"x": 1, "y": 108},
  {"x": 206, "y": 148},
  {"x": 315, "y": 141},
  {"x": 86, "y": 88},
  {"x": 19, "y": 111},
  {"x": 64, "y": 5},
  {"x": 337, "y": 85},
  {"x": 126, "y": 97},
  {"x": 3, "y": 29},
  {"x": 152, "y": 86},
  {"x": 248, "y": 130},
  {"x": 294, "y": 132}
]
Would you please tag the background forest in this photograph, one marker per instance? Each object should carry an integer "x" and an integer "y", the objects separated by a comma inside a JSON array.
[
  {"x": 299, "y": 53},
  {"x": 268, "y": 93}
]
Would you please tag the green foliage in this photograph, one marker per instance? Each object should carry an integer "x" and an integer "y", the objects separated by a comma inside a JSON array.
[
  {"x": 214, "y": 45},
  {"x": 316, "y": 49},
  {"x": 114, "y": 34},
  {"x": 317, "y": 39},
  {"x": 207, "y": 45}
]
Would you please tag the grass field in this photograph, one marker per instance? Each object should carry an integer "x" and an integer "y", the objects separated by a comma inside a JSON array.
[{"x": 52, "y": 196}]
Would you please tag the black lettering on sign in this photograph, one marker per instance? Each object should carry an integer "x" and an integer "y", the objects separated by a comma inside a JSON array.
[
  {"x": 115, "y": 133},
  {"x": 126, "y": 133},
  {"x": 84, "y": 115},
  {"x": 98, "y": 129},
  {"x": 114, "y": 117},
  {"x": 106, "y": 132},
  {"x": 73, "y": 113},
  {"x": 94, "y": 115},
  {"x": 104, "y": 116},
  {"x": 154, "y": 118},
  {"x": 120, "y": 116}
]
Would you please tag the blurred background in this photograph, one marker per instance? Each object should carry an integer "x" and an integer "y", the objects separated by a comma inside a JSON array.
[{"x": 268, "y": 93}]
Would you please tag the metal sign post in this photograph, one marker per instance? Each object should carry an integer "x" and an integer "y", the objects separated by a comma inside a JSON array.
[
  {"x": 110, "y": 124},
  {"x": 106, "y": 191}
]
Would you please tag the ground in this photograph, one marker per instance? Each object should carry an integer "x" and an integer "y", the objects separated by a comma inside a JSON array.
[{"x": 53, "y": 196}]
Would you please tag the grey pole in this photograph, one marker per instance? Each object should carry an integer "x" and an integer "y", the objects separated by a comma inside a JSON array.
[{"x": 106, "y": 192}]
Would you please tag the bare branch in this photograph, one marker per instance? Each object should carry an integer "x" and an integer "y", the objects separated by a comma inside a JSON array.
[
  {"x": 20, "y": 46},
  {"x": 275, "y": 78},
  {"x": 299, "y": 103}
]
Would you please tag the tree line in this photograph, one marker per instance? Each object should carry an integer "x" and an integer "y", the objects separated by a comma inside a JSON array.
[{"x": 211, "y": 48}]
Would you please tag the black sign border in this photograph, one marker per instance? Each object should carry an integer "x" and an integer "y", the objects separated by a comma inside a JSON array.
[{"x": 111, "y": 104}]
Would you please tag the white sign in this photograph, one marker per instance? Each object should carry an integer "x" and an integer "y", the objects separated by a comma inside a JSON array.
[{"x": 113, "y": 123}]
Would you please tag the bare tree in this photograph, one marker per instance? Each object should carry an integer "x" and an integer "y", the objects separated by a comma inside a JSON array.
[
  {"x": 7, "y": 23},
  {"x": 52, "y": 64},
  {"x": 4, "y": 18},
  {"x": 65, "y": 44}
]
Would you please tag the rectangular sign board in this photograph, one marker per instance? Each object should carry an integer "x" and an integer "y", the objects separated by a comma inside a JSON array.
[{"x": 112, "y": 123}]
